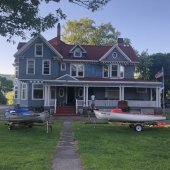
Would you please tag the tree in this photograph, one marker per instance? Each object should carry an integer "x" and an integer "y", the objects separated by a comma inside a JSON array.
[
  {"x": 85, "y": 32},
  {"x": 9, "y": 97},
  {"x": 143, "y": 68},
  {"x": 19, "y": 16}
]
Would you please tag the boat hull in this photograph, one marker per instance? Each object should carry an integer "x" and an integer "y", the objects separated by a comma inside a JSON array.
[{"x": 127, "y": 117}]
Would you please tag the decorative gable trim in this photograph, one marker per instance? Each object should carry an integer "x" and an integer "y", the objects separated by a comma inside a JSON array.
[
  {"x": 30, "y": 42},
  {"x": 108, "y": 52},
  {"x": 67, "y": 77},
  {"x": 77, "y": 45}
]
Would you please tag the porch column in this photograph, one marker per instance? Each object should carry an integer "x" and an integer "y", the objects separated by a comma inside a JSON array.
[
  {"x": 84, "y": 96},
  {"x": 45, "y": 96},
  {"x": 123, "y": 96},
  {"x": 157, "y": 97},
  {"x": 120, "y": 93},
  {"x": 87, "y": 96}
]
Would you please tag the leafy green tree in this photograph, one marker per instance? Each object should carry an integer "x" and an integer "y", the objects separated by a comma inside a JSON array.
[
  {"x": 85, "y": 32},
  {"x": 143, "y": 68},
  {"x": 2, "y": 98},
  {"x": 10, "y": 97},
  {"x": 20, "y": 16}
]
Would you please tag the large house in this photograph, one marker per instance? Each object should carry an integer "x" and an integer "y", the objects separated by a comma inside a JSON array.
[{"x": 55, "y": 75}]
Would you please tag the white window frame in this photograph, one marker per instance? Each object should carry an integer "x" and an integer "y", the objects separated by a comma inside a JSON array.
[
  {"x": 77, "y": 72},
  {"x": 43, "y": 61},
  {"x": 77, "y": 50},
  {"x": 33, "y": 67},
  {"x": 63, "y": 67},
  {"x": 33, "y": 88},
  {"x": 38, "y": 44},
  {"x": 24, "y": 90},
  {"x": 111, "y": 71}
]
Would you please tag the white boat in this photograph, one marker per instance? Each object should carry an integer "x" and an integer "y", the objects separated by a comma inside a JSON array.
[{"x": 118, "y": 115}]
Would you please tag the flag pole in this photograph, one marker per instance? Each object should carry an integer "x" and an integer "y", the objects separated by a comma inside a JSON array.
[{"x": 163, "y": 92}]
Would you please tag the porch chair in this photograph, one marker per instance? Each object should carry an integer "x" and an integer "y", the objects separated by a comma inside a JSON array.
[{"x": 122, "y": 104}]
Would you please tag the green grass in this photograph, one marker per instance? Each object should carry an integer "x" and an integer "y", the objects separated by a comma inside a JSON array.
[
  {"x": 27, "y": 148},
  {"x": 109, "y": 147}
]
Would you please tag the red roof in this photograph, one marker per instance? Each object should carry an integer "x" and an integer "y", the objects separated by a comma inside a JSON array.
[{"x": 93, "y": 52}]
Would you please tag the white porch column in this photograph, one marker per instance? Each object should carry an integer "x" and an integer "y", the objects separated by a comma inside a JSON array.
[
  {"x": 158, "y": 100},
  {"x": 84, "y": 96},
  {"x": 123, "y": 93},
  {"x": 120, "y": 93},
  {"x": 87, "y": 96},
  {"x": 45, "y": 96}
]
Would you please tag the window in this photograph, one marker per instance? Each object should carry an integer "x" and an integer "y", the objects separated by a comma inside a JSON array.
[
  {"x": 37, "y": 91},
  {"x": 61, "y": 92},
  {"x": 77, "y": 52},
  {"x": 114, "y": 55},
  {"x": 80, "y": 92},
  {"x": 15, "y": 92},
  {"x": 30, "y": 67},
  {"x": 46, "y": 67},
  {"x": 105, "y": 71},
  {"x": 122, "y": 70},
  {"x": 112, "y": 93},
  {"x": 63, "y": 66},
  {"x": 141, "y": 90},
  {"x": 77, "y": 70},
  {"x": 16, "y": 71},
  {"x": 38, "y": 50},
  {"x": 23, "y": 91},
  {"x": 114, "y": 70}
]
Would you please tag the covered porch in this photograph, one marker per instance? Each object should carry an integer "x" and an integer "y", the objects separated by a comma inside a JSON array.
[{"x": 107, "y": 94}]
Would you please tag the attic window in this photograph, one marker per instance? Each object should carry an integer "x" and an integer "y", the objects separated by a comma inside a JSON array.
[
  {"x": 39, "y": 50},
  {"x": 114, "y": 55},
  {"x": 77, "y": 52}
]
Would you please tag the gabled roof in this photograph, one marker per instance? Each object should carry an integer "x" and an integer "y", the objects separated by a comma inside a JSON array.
[
  {"x": 67, "y": 77},
  {"x": 94, "y": 53},
  {"x": 24, "y": 46},
  {"x": 77, "y": 45}
]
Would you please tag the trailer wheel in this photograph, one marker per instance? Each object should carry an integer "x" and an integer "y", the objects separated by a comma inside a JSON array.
[{"x": 138, "y": 127}]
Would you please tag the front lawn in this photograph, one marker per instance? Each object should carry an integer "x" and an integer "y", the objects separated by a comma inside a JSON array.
[
  {"x": 27, "y": 148},
  {"x": 110, "y": 147}
]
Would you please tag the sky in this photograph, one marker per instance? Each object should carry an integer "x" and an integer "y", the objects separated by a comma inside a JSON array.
[{"x": 145, "y": 22}]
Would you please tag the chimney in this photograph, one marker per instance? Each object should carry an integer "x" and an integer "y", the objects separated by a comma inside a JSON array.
[
  {"x": 120, "y": 41},
  {"x": 58, "y": 31}
]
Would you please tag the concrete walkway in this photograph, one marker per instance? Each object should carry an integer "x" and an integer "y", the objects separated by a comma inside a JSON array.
[{"x": 66, "y": 157}]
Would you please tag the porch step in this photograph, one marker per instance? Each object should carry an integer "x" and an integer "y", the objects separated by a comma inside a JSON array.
[{"x": 65, "y": 111}]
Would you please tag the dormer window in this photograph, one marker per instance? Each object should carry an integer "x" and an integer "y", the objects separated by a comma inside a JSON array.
[
  {"x": 114, "y": 55},
  {"x": 38, "y": 50},
  {"x": 77, "y": 52}
]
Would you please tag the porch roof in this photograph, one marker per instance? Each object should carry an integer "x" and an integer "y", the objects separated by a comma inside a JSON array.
[{"x": 104, "y": 82}]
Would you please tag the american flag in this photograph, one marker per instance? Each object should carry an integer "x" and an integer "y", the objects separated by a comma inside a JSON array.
[{"x": 159, "y": 74}]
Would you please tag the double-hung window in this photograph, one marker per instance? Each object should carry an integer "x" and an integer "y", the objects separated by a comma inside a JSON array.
[
  {"x": 46, "y": 67},
  {"x": 30, "y": 66},
  {"x": 114, "y": 71},
  {"x": 38, "y": 50},
  {"x": 106, "y": 71},
  {"x": 23, "y": 91},
  {"x": 77, "y": 70},
  {"x": 37, "y": 91}
]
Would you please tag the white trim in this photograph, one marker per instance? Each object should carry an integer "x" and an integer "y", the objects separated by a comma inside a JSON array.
[
  {"x": 24, "y": 89},
  {"x": 43, "y": 67},
  {"x": 65, "y": 76},
  {"x": 111, "y": 50},
  {"x": 77, "y": 45},
  {"x": 27, "y": 67},
  {"x": 35, "y": 49}
]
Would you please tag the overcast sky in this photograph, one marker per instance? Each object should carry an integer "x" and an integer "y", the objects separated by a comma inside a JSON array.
[{"x": 145, "y": 22}]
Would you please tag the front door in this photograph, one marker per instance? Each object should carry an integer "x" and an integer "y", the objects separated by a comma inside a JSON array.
[{"x": 70, "y": 96}]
